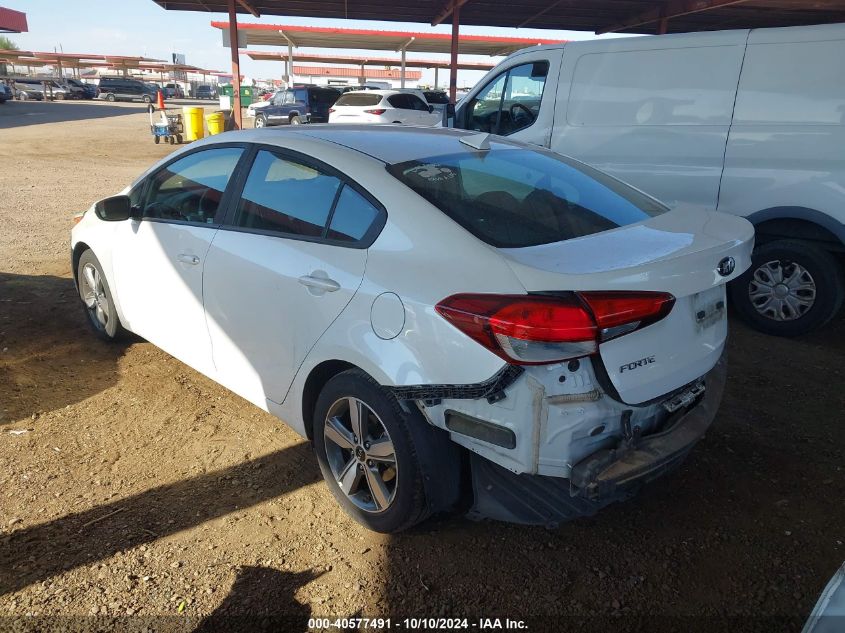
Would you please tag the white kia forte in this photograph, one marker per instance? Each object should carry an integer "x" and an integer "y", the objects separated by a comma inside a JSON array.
[{"x": 455, "y": 320}]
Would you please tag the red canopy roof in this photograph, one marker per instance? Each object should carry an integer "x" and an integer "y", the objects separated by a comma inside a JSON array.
[{"x": 12, "y": 21}]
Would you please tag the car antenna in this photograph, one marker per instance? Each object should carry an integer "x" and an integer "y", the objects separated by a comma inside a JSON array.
[{"x": 477, "y": 141}]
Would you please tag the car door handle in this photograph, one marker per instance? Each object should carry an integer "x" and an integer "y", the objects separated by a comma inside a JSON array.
[
  {"x": 193, "y": 260},
  {"x": 319, "y": 283}
]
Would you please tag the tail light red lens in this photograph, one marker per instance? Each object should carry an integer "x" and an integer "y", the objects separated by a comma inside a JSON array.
[
  {"x": 539, "y": 329},
  {"x": 377, "y": 111}
]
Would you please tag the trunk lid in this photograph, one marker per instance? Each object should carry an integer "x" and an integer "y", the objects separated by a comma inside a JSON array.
[{"x": 679, "y": 252}]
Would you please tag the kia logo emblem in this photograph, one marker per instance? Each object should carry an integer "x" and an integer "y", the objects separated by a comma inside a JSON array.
[{"x": 726, "y": 266}]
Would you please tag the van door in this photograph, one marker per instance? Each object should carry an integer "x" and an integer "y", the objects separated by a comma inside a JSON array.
[
  {"x": 515, "y": 99},
  {"x": 654, "y": 112}
]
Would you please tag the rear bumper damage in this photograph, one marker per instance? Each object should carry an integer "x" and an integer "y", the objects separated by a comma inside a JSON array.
[{"x": 606, "y": 476}]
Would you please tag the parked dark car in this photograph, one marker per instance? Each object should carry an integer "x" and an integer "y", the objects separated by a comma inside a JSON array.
[
  {"x": 123, "y": 89},
  {"x": 85, "y": 90},
  {"x": 5, "y": 93},
  {"x": 204, "y": 91},
  {"x": 298, "y": 105}
]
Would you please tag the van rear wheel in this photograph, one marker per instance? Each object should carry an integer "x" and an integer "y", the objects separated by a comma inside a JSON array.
[{"x": 792, "y": 288}]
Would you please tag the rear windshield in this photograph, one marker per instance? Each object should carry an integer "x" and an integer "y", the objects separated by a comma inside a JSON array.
[
  {"x": 353, "y": 99},
  {"x": 513, "y": 198}
]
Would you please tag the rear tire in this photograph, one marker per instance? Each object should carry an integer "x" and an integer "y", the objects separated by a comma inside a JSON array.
[
  {"x": 110, "y": 97},
  {"x": 295, "y": 120},
  {"x": 96, "y": 297},
  {"x": 384, "y": 420},
  {"x": 260, "y": 121},
  {"x": 147, "y": 99},
  {"x": 792, "y": 288}
]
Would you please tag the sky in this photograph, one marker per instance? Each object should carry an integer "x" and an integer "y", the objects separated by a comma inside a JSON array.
[{"x": 141, "y": 27}]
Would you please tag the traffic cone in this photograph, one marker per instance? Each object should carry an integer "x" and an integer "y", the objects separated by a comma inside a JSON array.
[{"x": 160, "y": 101}]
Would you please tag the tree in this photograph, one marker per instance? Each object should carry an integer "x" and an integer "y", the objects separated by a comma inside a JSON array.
[{"x": 7, "y": 44}]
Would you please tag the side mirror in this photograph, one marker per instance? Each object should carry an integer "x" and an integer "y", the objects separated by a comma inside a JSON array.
[
  {"x": 430, "y": 109},
  {"x": 114, "y": 209}
]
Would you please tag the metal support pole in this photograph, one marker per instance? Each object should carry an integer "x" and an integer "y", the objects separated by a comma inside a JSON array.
[
  {"x": 363, "y": 78},
  {"x": 453, "y": 62},
  {"x": 435, "y": 77},
  {"x": 402, "y": 73},
  {"x": 290, "y": 65},
  {"x": 236, "y": 67}
]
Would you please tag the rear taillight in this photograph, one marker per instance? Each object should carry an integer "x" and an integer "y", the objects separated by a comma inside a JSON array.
[
  {"x": 538, "y": 329},
  {"x": 377, "y": 111}
]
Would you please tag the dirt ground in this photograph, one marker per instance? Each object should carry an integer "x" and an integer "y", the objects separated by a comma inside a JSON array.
[{"x": 133, "y": 487}]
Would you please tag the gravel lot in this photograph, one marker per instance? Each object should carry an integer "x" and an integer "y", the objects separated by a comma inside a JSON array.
[{"x": 133, "y": 486}]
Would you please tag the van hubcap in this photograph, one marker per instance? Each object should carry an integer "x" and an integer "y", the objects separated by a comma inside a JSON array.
[
  {"x": 360, "y": 454},
  {"x": 782, "y": 290}
]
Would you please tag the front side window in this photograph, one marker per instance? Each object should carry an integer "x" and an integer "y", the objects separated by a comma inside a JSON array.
[
  {"x": 191, "y": 188},
  {"x": 511, "y": 102},
  {"x": 287, "y": 197},
  {"x": 513, "y": 198},
  {"x": 399, "y": 101},
  {"x": 417, "y": 103}
]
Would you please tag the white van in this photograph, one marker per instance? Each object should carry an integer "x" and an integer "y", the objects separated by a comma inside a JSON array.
[{"x": 747, "y": 122}]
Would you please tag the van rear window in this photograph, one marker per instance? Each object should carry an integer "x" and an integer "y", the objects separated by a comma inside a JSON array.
[{"x": 513, "y": 198}]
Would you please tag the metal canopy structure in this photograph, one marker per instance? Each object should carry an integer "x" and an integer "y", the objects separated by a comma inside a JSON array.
[
  {"x": 74, "y": 61},
  {"x": 314, "y": 58},
  {"x": 377, "y": 40},
  {"x": 12, "y": 21},
  {"x": 347, "y": 71},
  {"x": 599, "y": 16},
  {"x": 363, "y": 62}
]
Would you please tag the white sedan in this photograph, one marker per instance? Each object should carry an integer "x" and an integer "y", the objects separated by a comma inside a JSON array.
[
  {"x": 442, "y": 313},
  {"x": 383, "y": 106}
]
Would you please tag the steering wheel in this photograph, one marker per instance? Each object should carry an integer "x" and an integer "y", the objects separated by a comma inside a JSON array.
[
  {"x": 163, "y": 210},
  {"x": 519, "y": 106}
]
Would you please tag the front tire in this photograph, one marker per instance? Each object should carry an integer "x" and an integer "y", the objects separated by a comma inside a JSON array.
[
  {"x": 368, "y": 453},
  {"x": 110, "y": 97},
  {"x": 260, "y": 121},
  {"x": 96, "y": 297},
  {"x": 147, "y": 99},
  {"x": 295, "y": 120},
  {"x": 792, "y": 288}
]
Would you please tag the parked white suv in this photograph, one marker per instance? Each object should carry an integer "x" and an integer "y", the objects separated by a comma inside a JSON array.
[
  {"x": 424, "y": 303},
  {"x": 384, "y": 106},
  {"x": 751, "y": 123}
]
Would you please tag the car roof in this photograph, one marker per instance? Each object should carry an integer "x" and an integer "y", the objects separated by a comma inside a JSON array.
[{"x": 385, "y": 143}]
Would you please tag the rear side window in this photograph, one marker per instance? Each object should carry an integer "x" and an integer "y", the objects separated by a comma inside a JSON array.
[
  {"x": 513, "y": 198},
  {"x": 400, "y": 101},
  {"x": 286, "y": 197},
  {"x": 357, "y": 99},
  {"x": 191, "y": 188},
  {"x": 353, "y": 217}
]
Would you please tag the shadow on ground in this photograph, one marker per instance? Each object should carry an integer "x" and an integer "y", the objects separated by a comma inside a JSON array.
[
  {"x": 35, "y": 554},
  {"x": 49, "y": 358},
  {"x": 23, "y": 113}
]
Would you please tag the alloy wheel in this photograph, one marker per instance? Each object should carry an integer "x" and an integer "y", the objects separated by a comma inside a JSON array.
[
  {"x": 782, "y": 290},
  {"x": 94, "y": 297},
  {"x": 360, "y": 454}
]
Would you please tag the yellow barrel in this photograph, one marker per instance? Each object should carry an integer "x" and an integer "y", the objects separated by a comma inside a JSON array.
[
  {"x": 216, "y": 122},
  {"x": 192, "y": 118}
]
